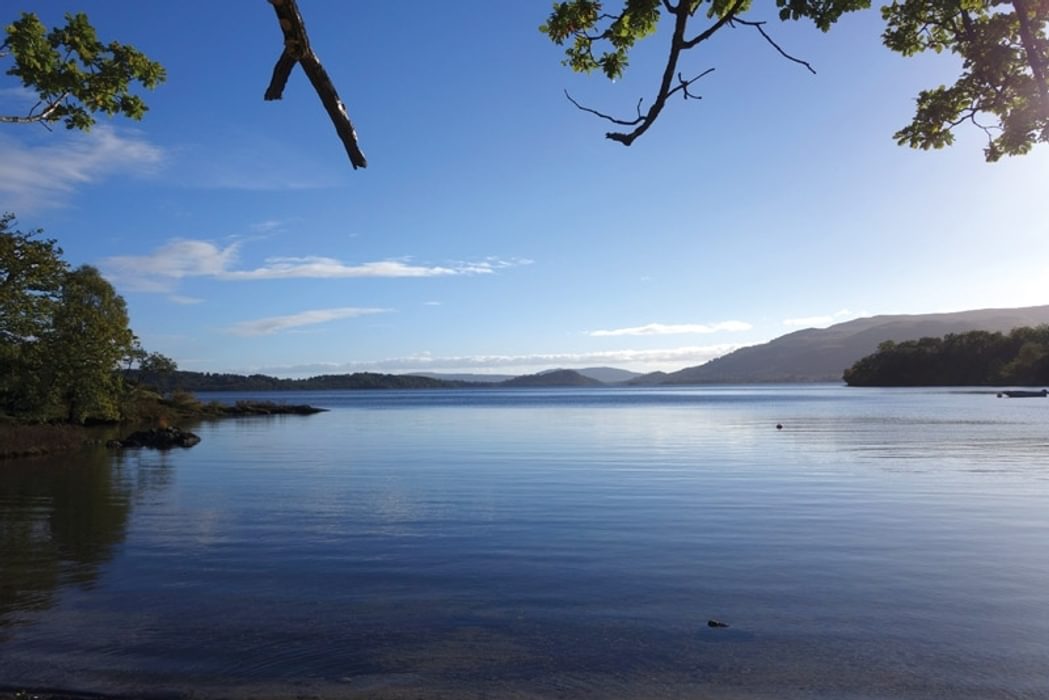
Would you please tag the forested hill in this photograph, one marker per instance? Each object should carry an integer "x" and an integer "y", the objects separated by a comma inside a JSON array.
[
  {"x": 558, "y": 377},
  {"x": 823, "y": 354},
  {"x": 206, "y": 381},
  {"x": 977, "y": 358}
]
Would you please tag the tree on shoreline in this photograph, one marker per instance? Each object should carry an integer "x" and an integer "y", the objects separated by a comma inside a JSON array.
[
  {"x": 63, "y": 334},
  {"x": 89, "y": 337},
  {"x": 1020, "y": 357}
]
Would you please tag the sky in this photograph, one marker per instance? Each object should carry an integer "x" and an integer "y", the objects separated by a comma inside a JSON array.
[{"x": 495, "y": 228}]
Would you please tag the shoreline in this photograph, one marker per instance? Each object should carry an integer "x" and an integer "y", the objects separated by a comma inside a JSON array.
[{"x": 28, "y": 440}]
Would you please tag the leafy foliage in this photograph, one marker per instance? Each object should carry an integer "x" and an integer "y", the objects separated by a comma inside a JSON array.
[
  {"x": 74, "y": 74},
  {"x": 578, "y": 20},
  {"x": 977, "y": 358},
  {"x": 63, "y": 335},
  {"x": 31, "y": 273},
  {"x": 1002, "y": 43},
  {"x": 1004, "y": 56},
  {"x": 90, "y": 337}
]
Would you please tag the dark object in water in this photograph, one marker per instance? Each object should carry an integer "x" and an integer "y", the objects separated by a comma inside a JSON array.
[
  {"x": 716, "y": 624},
  {"x": 158, "y": 439},
  {"x": 1024, "y": 394},
  {"x": 779, "y": 426}
]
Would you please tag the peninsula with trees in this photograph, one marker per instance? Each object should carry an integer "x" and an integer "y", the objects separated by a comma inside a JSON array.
[
  {"x": 68, "y": 357},
  {"x": 976, "y": 358}
]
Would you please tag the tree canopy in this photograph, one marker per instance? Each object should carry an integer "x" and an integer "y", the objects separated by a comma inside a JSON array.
[
  {"x": 1002, "y": 89},
  {"x": 63, "y": 335}
]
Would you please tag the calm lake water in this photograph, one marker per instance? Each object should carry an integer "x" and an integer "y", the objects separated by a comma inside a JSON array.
[{"x": 562, "y": 543}]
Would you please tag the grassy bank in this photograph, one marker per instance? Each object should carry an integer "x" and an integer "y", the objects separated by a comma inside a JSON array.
[
  {"x": 31, "y": 440},
  {"x": 17, "y": 440}
]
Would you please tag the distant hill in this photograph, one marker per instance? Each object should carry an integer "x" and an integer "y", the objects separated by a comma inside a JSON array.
[
  {"x": 605, "y": 375},
  {"x": 557, "y": 377},
  {"x": 822, "y": 355},
  {"x": 650, "y": 379},
  {"x": 609, "y": 375}
]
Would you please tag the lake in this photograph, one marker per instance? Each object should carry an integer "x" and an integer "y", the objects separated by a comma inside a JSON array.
[{"x": 546, "y": 543}]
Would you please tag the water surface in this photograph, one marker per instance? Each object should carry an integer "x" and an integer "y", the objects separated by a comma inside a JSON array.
[{"x": 547, "y": 543}]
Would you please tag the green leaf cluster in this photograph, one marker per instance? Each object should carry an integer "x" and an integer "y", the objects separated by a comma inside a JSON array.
[
  {"x": 1002, "y": 88},
  {"x": 823, "y": 13},
  {"x": 74, "y": 74},
  {"x": 584, "y": 24}
]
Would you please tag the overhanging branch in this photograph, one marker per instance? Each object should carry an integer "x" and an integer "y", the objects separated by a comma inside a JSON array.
[
  {"x": 760, "y": 26},
  {"x": 297, "y": 50}
]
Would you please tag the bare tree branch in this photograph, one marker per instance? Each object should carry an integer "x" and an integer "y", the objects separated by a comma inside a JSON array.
[
  {"x": 297, "y": 50},
  {"x": 621, "y": 122},
  {"x": 677, "y": 41},
  {"x": 709, "y": 31},
  {"x": 761, "y": 28},
  {"x": 683, "y": 85},
  {"x": 281, "y": 71}
]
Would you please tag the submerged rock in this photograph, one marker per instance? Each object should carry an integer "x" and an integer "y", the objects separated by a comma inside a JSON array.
[
  {"x": 716, "y": 624},
  {"x": 158, "y": 439}
]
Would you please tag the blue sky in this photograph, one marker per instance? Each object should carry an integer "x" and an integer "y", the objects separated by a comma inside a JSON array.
[{"x": 495, "y": 229}]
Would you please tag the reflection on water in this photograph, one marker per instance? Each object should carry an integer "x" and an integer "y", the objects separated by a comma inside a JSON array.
[
  {"x": 60, "y": 520},
  {"x": 547, "y": 544}
]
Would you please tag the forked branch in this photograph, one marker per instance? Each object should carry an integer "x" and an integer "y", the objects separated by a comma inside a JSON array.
[
  {"x": 683, "y": 11},
  {"x": 297, "y": 50}
]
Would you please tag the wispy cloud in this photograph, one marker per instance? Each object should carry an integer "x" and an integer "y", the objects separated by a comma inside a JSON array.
[
  {"x": 331, "y": 268},
  {"x": 36, "y": 177},
  {"x": 179, "y": 299},
  {"x": 820, "y": 321},
  {"x": 674, "y": 329},
  {"x": 267, "y": 226},
  {"x": 276, "y": 324},
  {"x": 646, "y": 360},
  {"x": 161, "y": 270}
]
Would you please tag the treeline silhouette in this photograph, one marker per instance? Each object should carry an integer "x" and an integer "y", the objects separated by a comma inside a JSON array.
[
  {"x": 1017, "y": 358},
  {"x": 207, "y": 381}
]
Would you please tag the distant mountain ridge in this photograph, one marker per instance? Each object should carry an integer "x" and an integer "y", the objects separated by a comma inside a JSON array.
[{"x": 823, "y": 354}]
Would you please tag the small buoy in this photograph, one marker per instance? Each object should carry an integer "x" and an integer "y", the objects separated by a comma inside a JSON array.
[
  {"x": 716, "y": 623},
  {"x": 779, "y": 426}
]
